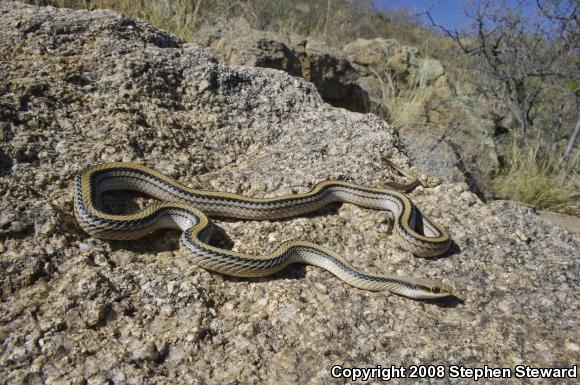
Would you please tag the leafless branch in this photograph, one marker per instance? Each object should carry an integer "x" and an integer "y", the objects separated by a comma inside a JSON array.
[{"x": 522, "y": 59}]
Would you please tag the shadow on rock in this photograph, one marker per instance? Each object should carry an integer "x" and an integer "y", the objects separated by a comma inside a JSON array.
[{"x": 446, "y": 302}]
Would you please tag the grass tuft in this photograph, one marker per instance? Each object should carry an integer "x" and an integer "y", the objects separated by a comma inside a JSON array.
[
  {"x": 403, "y": 108},
  {"x": 533, "y": 175}
]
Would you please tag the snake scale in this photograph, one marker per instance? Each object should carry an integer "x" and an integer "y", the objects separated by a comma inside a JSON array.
[{"x": 187, "y": 209}]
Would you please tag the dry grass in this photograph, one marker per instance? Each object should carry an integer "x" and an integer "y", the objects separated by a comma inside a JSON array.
[
  {"x": 180, "y": 17},
  {"x": 403, "y": 108},
  {"x": 335, "y": 21},
  {"x": 534, "y": 176}
]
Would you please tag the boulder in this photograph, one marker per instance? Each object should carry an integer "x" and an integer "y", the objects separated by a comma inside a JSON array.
[
  {"x": 404, "y": 65},
  {"x": 236, "y": 43},
  {"x": 82, "y": 87}
]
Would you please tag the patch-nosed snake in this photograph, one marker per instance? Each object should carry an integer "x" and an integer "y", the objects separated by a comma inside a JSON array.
[{"x": 188, "y": 210}]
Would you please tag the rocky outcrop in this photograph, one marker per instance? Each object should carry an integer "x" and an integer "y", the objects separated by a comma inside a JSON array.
[
  {"x": 402, "y": 64},
  {"x": 453, "y": 137},
  {"x": 82, "y": 87},
  {"x": 235, "y": 43}
]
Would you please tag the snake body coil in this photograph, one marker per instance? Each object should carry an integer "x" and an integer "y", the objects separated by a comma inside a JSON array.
[{"x": 187, "y": 209}]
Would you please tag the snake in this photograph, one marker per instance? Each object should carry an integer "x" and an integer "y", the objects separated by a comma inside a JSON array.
[{"x": 189, "y": 210}]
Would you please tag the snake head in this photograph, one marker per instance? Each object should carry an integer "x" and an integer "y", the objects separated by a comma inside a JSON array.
[{"x": 434, "y": 289}]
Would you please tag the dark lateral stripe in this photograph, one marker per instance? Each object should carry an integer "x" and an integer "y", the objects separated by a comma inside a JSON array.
[
  {"x": 171, "y": 188},
  {"x": 404, "y": 216},
  {"x": 198, "y": 247},
  {"x": 241, "y": 202}
]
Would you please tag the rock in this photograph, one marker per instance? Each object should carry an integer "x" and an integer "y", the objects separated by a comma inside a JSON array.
[
  {"x": 430, "y": 71},
  {"x": 369, "y": 53},
  {"x": 236, "y": 43},
  {"x": 385, "y": 58},
  {"x": 83, "y": 87},
  {"x": 568, "y": 222},
  {"x": 356, "y": 79},
  {"x": 459, "y": 144},
  {"x": 468, "y": 197}
]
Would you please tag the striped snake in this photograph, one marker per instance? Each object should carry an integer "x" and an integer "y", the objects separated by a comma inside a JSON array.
[{"x": 187, "y": 209}]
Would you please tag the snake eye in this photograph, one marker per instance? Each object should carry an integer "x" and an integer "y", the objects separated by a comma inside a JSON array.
[{"x": 436, "y": 289}]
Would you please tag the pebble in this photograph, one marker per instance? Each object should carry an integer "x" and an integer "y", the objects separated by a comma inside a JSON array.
[
  {"x": 85, "y": 246},
  {"x": 468, "y": 197},
  {"x": 17, "y": 226}
]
